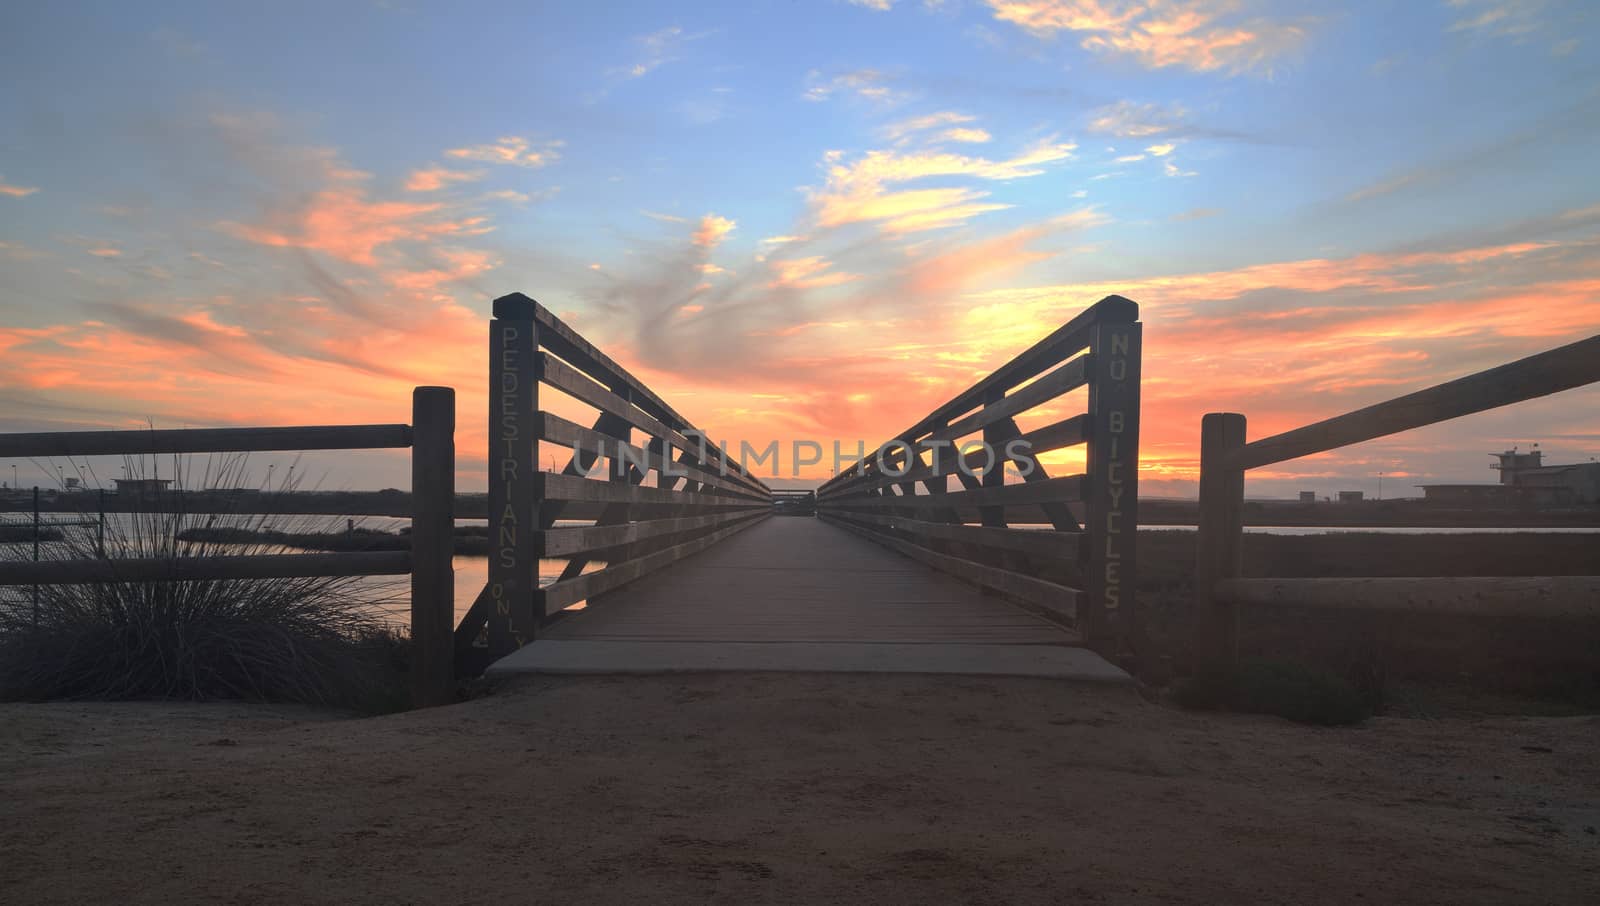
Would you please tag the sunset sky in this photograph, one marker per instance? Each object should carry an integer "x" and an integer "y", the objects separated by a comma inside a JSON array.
[{"x": 802, "y": 219}]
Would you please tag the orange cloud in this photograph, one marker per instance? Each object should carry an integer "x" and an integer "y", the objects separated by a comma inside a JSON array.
[
  {"x": 712, "y": 230},
  {"x": 432, "y": 179},
  {"x": 806, "y": 273},
  {"x": 342, "y": 222},
  {"x": 1200, "y": 35},
  {"x": 861, "y": 191},
  {"x": 16, "y": 191},
  {"x": 513, "y": 150}
]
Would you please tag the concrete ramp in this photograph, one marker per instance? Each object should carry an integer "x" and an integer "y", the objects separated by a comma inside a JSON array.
[
  {"x": 562, "y": 656},
  {"x": 798, "y": 595}
]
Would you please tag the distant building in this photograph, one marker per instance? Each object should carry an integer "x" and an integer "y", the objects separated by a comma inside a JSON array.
[
  {"x": 1308, "y": 496},
  {"x": 1525, "y": 481},
  {"x": 1350, "y": 496},
  {"x": 142, "y": 486}
]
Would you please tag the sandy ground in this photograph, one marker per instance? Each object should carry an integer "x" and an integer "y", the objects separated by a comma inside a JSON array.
[{"x": 774, "y": 788}]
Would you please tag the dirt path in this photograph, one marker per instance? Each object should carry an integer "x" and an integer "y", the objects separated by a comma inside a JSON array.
[{"x": 774, "y": 788}]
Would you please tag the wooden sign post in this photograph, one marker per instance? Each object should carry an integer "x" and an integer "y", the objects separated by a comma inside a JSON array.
[
  {"x": 513, "y": 476},
  {"x": 1112, "y": 512}
]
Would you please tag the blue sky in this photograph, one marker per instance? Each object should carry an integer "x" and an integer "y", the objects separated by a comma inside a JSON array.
[{"x": 274, "y": 200}]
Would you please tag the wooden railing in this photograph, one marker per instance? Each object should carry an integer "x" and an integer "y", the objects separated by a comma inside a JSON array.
[
  {"x": 653, "y": 504},
  {"x": 431, "y": 437},
  {"x": 1225, "y": 457},
  {"x": 1081, "y": 572}
]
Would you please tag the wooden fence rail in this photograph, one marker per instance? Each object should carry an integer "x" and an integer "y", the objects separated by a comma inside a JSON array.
[
  {"x": 1225, "y": 457},
  {"x": 1081, "y": 572},
  {"x": 668, "y": 495},
  {"x": 431, "y": 437}
]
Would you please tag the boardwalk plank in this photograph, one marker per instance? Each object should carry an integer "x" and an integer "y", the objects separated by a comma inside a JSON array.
[{"x": 800, "y": 580}]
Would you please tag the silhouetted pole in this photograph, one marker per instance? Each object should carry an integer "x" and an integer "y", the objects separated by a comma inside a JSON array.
[{"x": 433, "y": 492}]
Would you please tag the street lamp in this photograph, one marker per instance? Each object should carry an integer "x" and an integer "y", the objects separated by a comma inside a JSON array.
[{"x": 1380, "y": 485}]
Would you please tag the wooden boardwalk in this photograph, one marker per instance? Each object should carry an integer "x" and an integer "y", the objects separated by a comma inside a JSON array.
[{"x": 798, "y": 594}]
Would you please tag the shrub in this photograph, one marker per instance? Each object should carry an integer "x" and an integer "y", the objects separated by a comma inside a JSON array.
[
  {"x": 1283, "y": 688},
  {"x": 322, "y": 641}
]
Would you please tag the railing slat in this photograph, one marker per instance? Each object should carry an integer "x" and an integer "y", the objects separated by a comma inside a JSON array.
[
  {"x": 571, "y": 591},
  {"x": 204, "y": 440},
  {"x": 1066, "y": 489},
  {"x": 563, "y": 542},
  {"x": 1055, "y": 601},
  {"x": 188, "y": 569},
  {"x": 1503, "y": 596},
  {"x": 1069, "y": 546},
  {"x": 1062, "y": 342},
  {"x": 551, "y": 486},
  {"x": 569, "y": 434},
  {"x": 1539, "y": 375}
]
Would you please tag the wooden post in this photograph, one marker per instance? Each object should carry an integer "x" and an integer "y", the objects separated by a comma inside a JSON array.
[
  {"x": 433, "y": 494},
  {"x": 1111, "y": 512},
  {"x": 513, "y": 479},
  {"x": 1221, "y": 528},
  {"x": 35, "y": 552}
]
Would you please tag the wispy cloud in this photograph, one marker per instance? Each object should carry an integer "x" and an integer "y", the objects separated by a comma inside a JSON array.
[
  {"x": 903, "y": 129},
  {"x": 660, "y": 48},
  {"x": 866, "y": 84},
  {"x": 811, "y": 272},
  {"x": 432, "y": 179},
  {"x": 513, "y": 150},
  {"x": 15, "y": 191},
  {"x": 863, "y": 190},
  {"x": 1130, "y": 119},
  {"x": 1498, "y": 18},
  {"x": 1200, "y": 35},
  {"x": 664, "y": 218}
]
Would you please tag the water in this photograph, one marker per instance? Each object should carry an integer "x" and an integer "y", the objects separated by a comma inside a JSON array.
[{"x": 472, "y": 572}]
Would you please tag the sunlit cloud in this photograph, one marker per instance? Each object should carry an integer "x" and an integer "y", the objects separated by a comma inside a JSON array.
[
  {"x": 1200, "y": 35},
  {"x": 432, "y": 179},
  {"x": 15, "y": 191},
  {"x": 513, "y": 150},
  {"x": 904, "y": 129},
  {"x": 342, "y": 222},
  {"x": 712, "y": 230},
  {"x": 861, "y": 190}
]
